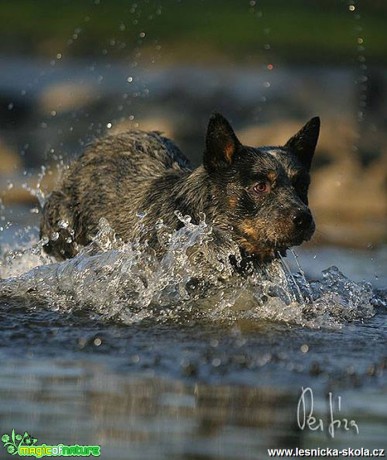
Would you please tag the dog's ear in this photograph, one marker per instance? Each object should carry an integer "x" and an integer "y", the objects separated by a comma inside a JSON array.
[
  {"x": 303, "y": 143},
  {"x": 221, "y": 144}
]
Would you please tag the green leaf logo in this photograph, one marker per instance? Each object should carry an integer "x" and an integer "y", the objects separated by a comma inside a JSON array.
[{"x": 13, "y": 441}]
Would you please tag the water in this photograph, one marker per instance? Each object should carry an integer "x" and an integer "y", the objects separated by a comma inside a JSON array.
[{"x": 155, "y": 359}]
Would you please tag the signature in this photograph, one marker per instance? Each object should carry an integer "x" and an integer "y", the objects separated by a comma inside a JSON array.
[{"x": 306, "y": 419}]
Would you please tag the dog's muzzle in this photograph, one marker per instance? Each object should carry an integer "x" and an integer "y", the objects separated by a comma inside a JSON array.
[{"x": 304, "y": 225}]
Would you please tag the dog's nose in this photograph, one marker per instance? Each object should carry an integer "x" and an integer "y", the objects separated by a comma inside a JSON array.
[{"x": 302, "y": 219}]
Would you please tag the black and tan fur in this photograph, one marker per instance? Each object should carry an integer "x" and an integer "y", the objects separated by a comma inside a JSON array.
[{"x": 255, "y": 198}]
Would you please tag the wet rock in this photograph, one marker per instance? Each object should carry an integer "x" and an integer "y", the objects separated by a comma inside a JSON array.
[
  {"x": 9, "y": 159},
  {"x": 336, "y": 141},
  {"x": 350, "y": 203},
  {"x": 65, "y": 97},
  {"x": 16, "y": 188}
]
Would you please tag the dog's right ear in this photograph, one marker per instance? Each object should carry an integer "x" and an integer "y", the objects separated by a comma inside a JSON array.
[{"x": 221, "y": 144}]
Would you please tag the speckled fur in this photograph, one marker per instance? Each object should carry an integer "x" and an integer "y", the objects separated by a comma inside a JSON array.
[{"x": 121, "y": 177}]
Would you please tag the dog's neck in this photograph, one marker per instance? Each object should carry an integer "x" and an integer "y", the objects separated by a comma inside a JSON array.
[{"x": 194, "y": 195}]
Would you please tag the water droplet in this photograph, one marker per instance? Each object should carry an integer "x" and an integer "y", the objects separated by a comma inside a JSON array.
[
  {"x": 129, "y": 79},
  {"x": 216, "y": 362},
  {"x": 304, "y": 348},
  {"x": 351, "y": 7},
  {"x": 54, "y": 236},
  {"x": 10, "y": 106},
  {"x": 108, "y": 125},
  {"x": 63, "y": 224},
  {"x": 141, "y": 214},
  {"x": 97, "y": 342}
]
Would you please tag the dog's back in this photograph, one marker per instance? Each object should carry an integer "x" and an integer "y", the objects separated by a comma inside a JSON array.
[{"x": 110, "y": 180}]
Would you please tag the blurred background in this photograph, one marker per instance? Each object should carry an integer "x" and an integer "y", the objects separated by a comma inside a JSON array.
[{"x": 73, "y": 70}]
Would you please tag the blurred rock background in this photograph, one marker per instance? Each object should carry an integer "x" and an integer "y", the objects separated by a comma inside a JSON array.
[{"x": 73, "y": 70}]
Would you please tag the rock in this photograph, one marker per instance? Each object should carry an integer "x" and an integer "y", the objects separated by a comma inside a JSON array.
[
  {"x": 337, "y": 136},
  {"x": 16, "y": 188},
  {"x": 66, "y": 97},
  {"x": 350, "y": 203},
  {"x": 9, "y": 159}
]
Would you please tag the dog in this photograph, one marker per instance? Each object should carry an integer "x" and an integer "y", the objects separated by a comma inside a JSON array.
[{"x": 253, "y": 198}]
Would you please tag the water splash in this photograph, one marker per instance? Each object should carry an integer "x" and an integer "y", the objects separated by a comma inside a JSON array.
[
  {"x": 127, "y": 283},
  {"x": 37, "y": 190}
]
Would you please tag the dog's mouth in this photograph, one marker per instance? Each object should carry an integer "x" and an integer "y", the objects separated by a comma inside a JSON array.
[
  {"x": 296, "y": 240},
  {"x": 304, "y": 235},
  {"x": 266, "y": 250},
  {"x": 264, "y": 253},
  {"x": 301, "y": 237}
]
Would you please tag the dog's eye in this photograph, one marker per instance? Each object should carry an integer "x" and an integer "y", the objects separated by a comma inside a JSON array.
[{"x": 262, "y": 187}]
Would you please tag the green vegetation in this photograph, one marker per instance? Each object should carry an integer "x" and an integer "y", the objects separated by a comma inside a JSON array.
[{"x": 310, "y": 31}]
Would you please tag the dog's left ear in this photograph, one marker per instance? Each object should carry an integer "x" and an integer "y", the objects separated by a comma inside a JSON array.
[
  {"x": 221, "y": 144},
  {"x": 303, "y": 144}
]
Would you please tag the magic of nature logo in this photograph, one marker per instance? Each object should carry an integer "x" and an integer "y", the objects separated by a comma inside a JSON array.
[{"x": 26, "y": 445}]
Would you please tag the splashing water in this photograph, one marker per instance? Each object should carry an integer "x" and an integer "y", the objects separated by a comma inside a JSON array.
[{"x": 128, "y": 283}]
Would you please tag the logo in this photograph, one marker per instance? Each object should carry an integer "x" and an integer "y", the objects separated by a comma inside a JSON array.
[{"x": 26, "y": 446}]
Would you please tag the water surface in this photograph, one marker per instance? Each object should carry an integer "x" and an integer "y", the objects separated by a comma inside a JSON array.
[{"x": 115, "y": 349}]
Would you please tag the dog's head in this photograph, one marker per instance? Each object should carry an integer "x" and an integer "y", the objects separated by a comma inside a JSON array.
[{"x": 262, "y": 193}]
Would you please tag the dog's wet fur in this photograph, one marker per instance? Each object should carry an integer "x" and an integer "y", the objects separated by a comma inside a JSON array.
[{"x": 255, "y": 198}]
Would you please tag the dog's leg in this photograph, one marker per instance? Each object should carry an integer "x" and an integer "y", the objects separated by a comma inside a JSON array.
[{"x": 57, "y": 225}]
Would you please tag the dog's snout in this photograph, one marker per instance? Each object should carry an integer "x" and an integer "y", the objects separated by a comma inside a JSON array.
[{"x": 302, "y": 218}]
